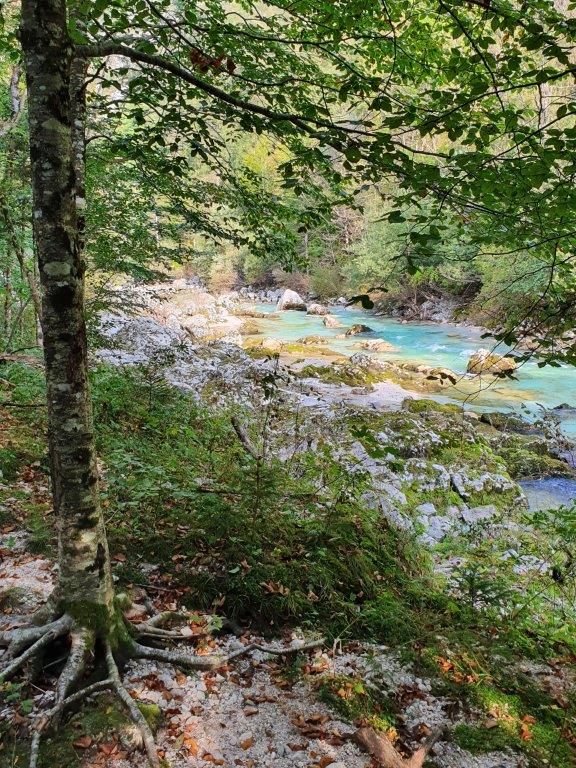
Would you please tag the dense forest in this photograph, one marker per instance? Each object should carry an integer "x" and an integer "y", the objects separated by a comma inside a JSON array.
[{"x": 287, "y": 387}]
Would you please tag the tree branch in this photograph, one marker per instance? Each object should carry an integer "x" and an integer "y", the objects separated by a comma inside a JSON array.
[{"x": 112, "y": 48}]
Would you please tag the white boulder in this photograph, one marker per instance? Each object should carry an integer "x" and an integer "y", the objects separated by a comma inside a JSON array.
[
  {"x": 291, "y": 300},
  {"x": 484, "y": 361},
  {"x": 318, "y": 309}
]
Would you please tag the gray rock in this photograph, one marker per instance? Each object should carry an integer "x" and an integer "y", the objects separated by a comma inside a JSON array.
[
  {"x": 473, "y": 515},
  {"x": 426, "y": 509},
  {"x": 318, "y": 309},
  {"x": 291, "y": 300}
]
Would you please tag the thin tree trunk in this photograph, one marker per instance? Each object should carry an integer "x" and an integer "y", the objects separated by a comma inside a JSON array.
[
  {"x": 27, "y": 274},
  {"x": 85, "y": 588}
]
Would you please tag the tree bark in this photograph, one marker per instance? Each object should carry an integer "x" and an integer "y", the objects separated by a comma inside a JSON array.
[{"x": 84, "y": 589}]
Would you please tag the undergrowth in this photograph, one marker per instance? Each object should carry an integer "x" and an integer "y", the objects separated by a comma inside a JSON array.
[{"x": 276, "y": 543}]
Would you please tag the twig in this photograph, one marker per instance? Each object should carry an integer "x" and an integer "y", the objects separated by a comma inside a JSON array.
[{"x": 244, "y": 439}]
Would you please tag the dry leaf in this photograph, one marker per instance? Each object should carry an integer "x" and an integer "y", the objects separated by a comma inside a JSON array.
[
  {"x": 83, "y": 742},
  {"x": 191, "y": 745}
]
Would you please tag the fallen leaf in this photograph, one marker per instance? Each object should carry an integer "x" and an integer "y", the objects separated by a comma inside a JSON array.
[
  {"x": 191, "y": 745},
  {"x": 83, "y": 742}
]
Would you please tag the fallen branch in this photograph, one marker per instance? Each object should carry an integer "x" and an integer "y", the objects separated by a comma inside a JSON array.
[
  {"x": 381, "y": 749},
  {"x": 244, "y": 439},
  {"x": 22, "y": 405}
]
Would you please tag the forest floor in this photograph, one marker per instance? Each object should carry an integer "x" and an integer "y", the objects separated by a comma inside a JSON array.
[{"x": 261, "y": 711}]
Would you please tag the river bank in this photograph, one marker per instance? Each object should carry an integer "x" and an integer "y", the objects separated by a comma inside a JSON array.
[{"x": 198, "y": 339}]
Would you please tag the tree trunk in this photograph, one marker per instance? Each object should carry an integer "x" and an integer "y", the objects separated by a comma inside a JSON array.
[{"x": 85, "y": 588}]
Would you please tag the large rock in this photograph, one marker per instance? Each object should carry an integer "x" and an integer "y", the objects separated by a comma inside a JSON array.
[
  {"x": 363, "y": 360},
  {"x": 473, "y": 515},
  {"x": 312, "y": 340},
  {"x": 291, "y": 300},
  {"x": 318, "y": 309},
  {"x": 484, "y": 361},
  {"x": 331, "y": 322},
  {"x": 358, "y": 328},
  {"x": 248, "y": 328},
  {"x": 377, "y": 345}
]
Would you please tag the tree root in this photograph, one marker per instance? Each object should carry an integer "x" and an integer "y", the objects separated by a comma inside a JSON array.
[
  {"x": 135, "y": 714},
  {"x": 50, "y": 633},
  {"x": 381, "y": 749},
  {"x": 26, "y": 645},
  {"x": 18, "y": 639},
  {"x": 53, "y": 716},
  {"x": 81, "y": 645}
]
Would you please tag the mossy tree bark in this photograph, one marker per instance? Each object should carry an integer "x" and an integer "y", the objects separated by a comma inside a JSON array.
[{"x": 84, "y": 589}]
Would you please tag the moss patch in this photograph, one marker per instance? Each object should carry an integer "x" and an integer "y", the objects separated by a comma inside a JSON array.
[{"x": 354, "y": 701}]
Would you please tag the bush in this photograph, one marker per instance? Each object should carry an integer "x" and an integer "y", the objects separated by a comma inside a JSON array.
[
  {"x": 328, "y": 282},
  {"x": 296, "y": 281}
]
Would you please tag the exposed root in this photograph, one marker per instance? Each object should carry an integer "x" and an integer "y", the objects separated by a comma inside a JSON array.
[
  {"x": 57, "y": 629},
  {"x": 381, "y": 749},
  {"x": 213, "y": 662},
  {"x": 29, "y": 645},
  {"x": 81, "y": 645},
  {"x": 137, "y": 716},
  {"x": 53, "y": 716},
  {"x": 161, "y": 634},
  {"x": 18, "y": 639},
  {"x": 178, "y": 659},
  {"x": 159, "y": 619},
  {"x": 154, "y": 627}
]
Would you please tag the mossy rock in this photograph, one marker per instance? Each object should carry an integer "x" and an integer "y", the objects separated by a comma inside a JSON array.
[
  {"x": 522, "y": 463},
  {"x": 249, "y": 328},
  {"x": 425, "y": 405},
  {"x": 308, "y": 350}
]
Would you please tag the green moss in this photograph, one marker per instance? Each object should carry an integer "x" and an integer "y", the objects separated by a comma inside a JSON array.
[
  {"x": 479, "y": 739},
  {"x": 259, "y": 353},
  {"x": 88, "y": 614},
  {"x": 524, "y": 463},
  {"x": 102, "y": 719},
  {"x": 351, "y": 375},
  {"x": 152, "y": 714},
  {"x": 543, "y": 730},
  {"x": 307, "y": 350},
  {"x": 425, "y": 405},
  {"x": 354, "y": 701},
  {"x": 40, "y": 525}
]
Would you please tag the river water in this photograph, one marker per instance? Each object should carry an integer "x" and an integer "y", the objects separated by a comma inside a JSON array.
[
  {"x": 450, "y": 346},
  {"x": 444, "y": 345}
]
